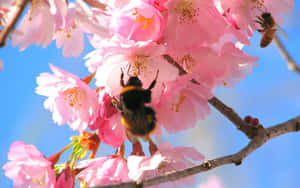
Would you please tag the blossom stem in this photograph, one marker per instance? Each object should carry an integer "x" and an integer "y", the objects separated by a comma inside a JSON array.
[
  {"x": 121, "y": 150},
  {"x": 55, "y": 157},
  {"x": 67, "y": 147},
  {"x": 20, "y": 6},
  {"x": 263, "y": 136},
  {"x": 88, "y": 78},
  {"x": 228, "y": 112}
]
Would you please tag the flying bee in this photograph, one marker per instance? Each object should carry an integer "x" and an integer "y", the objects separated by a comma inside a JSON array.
[
  {"x": 138, "y": 119},
  {"x": 268, "y": 30}
]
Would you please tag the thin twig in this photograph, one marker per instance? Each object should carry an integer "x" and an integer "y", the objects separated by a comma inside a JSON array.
[
  {"x": 285, "y": 54},
  {"x": 175, "y": 64},
  {"x": 20, "y": 6},
  {"x": 228, "y": 112},
  {"x": 260, "y": 139},
  {"x": 96, "y": 4}
]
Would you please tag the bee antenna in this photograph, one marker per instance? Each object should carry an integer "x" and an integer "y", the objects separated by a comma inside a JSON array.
[
  {"x": 265, "y": 9},
  {"x": 128, "y": 70},
  {"x": 156, "y": 74},
  {"x": 262, "y": 9}
]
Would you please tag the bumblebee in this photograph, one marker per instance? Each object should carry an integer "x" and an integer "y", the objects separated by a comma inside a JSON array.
[
  {"x": 268, "y": 30},
  {"x": 138, "y": 119}
]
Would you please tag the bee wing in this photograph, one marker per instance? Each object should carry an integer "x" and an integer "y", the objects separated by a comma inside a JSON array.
[{"x": 282, "y": 32}]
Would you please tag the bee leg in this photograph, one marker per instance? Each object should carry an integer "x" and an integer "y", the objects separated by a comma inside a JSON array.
[
  {"x": 152, "y": 146},
  {"x": 116, "y": 104},
  {"x": 154, "y": 81},
  {"x": 120, "y": 151},
  {"x": 137, "y": 148},
  {"x": 259, "y": 22},
  {"x": 260, "y": 18},
  {"x": 261, "y": 30},
  {"x": 122, "y": 78}
]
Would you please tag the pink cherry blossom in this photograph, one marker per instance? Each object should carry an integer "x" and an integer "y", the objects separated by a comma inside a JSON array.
[
  {"x": 103, "y": 170},
  {"x": 106, "y": 107},
  {"x": 79, "y": 19},
  {"x": 117, "y": 4},
  {"x": 65, "y": 179},
  {"x": 111, "y": 130},
  {"x": 3, "y": 15},
  {"x": 7, "y": 4},
  {"x": 191, "y": 23},
  {"x": 70, "y": 100},
  {"x": 183, "y": 103},
  {"x": 143, "y": 59},
  {"x": 233, "y": 31},
  {"x": 212, "y": 182},
  {"x": 108, "y": 122},
  {"x": 104, "y": 47},
  {"x": 244, "y": 13},
  {"x": 28, "y": 167},
  {"x": 158, "y": 4},
  {"x": 166, "y": 159},
  {"x": 237, "y": 64},
  {"x": 223, "y": 65},
  {"x": 36, "y": 27},
  {"x": 138, "y": 21}
]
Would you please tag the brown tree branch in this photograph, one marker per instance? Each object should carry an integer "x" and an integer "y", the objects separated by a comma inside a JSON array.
[
  {"x": 263, "y": 135},
  {"x": 228, "y": 112},
  {"x": 20, "y": 6},
  {"x": 175, "y": 64},
  {"x": 284, "y": 53},
  {"x": 258, "y": 136},
  {"x": 96, "y": 4}
]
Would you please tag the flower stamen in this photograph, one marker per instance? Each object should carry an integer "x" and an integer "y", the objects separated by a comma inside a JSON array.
[
  {"x": 139, "y": 63},
  {"x": 145, "y": 22},
  {"x": 179, "y": 103},
  {"x": 187, "y": 61},
  {"x": 40, "y": 182},
  {"x": 186, "y": 12},
  {"x": 74, "y": 96}
]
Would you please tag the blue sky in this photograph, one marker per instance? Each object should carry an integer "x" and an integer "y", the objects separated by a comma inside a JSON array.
[{"x": 271, "y": 93}]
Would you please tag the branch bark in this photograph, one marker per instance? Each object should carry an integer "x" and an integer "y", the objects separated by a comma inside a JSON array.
[
  {"x": 285, "y": 54},
  {"x": 263, "y": 136},
  {"x": 95, "y": 4},
  {"x": 20, "y": 6},
  {"x": 228, "y": 112},
  {"x": 258, "y": 137}
]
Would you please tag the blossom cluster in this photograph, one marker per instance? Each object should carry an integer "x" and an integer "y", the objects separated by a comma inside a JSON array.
[{"x": 189, "y": 47}]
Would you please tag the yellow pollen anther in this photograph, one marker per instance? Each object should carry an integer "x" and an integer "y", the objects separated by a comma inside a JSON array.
[
  {"x": 40, "y": 182},
  {"x": 187, "y": 61},
  {"x": 68, "y": 35},
  {"x": 145, "y": 22},
  {"x": 224, "y": 83},
  {"x": 34, "y": 4},
  {"x": 180, "y": 101},
  {"x": 139, "y": 63},
  {"x": 186, "y": 12},
  {"x": 74, "y": 97},
  {"x": 257, "y": 3},
  {"x": 161, "y": 171}
]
